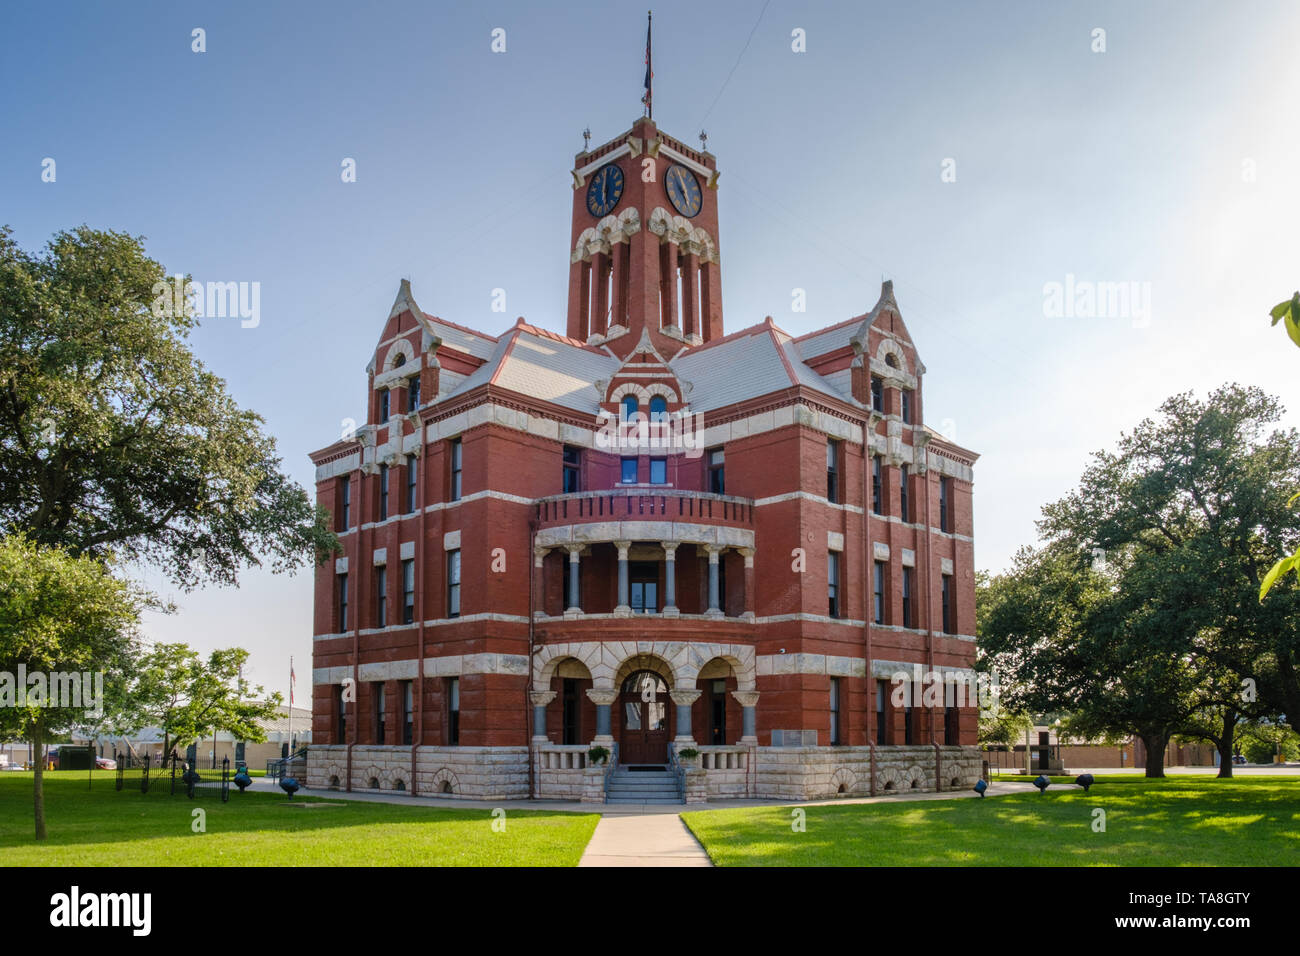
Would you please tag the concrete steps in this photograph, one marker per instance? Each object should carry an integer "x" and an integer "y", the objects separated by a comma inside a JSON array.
[{"x": 642, "y": 786}]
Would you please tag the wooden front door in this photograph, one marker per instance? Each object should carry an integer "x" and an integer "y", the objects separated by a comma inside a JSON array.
[{"x": 644, "y": 710}]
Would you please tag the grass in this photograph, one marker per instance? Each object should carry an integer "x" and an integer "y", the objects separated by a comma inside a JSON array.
[
  {"x": 102, "y": 827},
  {"x": 1187, "y": 821}
]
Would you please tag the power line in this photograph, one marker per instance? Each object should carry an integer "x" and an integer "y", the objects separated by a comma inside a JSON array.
[{"x": 736, "y": 64}]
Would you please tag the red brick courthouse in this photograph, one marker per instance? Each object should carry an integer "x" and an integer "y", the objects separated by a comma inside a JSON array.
[{"x": 646, "y": 534}]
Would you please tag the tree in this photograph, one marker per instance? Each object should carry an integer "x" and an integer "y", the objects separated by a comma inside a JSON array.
[
  {"x": 190, "y": 698},
  {"x": 115, "y": 438},
  {"x": 60, "y": 615},
  {"x": 1202, "y": 491},
  {"x": 1264, "y": 741}
]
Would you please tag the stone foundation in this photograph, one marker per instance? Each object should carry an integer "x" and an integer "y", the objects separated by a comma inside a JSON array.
[
  {"x": 773, "y": 773},
  {"x": 816, "y": 773},
  {"x": 470, "y": 773}
]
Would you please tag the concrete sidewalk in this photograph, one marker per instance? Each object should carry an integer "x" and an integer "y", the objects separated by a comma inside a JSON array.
[{"x": 655, "y": 839}]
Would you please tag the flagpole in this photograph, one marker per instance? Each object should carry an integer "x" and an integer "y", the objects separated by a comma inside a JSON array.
[
  {"x": 290, "y": 708},
  {"x": 648, "y": 99}
]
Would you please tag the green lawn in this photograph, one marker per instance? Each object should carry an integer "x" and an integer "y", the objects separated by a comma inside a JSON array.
[
  {"x": 1180, "y": 821},
  {"x": 101, "y": 827}
]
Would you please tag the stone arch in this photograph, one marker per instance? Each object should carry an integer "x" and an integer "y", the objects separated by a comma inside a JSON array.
[
  {"x": 445, "y": 781},
  {"x": 399, "y": 354},
  {"x": 740, "y": 657},
  {"x": 886, "y": 349},
  {"x": 630, "y": 388},
  {"x": 844, "y": 780},
  {"x": 645, "y": 662},
  {"x": 548, "y": 657},
  {"x": 376, "y": 774},
  {"x": 334, "y": 776}
]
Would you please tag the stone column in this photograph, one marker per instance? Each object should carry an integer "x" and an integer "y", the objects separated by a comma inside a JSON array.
[
  {"x": 624, "y": 608},
  {"x": 603, "y": 699},
  {"x": 748, "y": 554},
  {"x": 715, "y": 554},
  {"x": 670, "y": 579},
  {"x": 684, "y": 699},
  {"x": 748, "y": 700},
  {"x": 573, "y": 609},
  {"x": 540, "y": 699}
]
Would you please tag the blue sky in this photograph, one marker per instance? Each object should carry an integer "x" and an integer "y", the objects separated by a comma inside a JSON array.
[{"x": 1166, "y": 160}]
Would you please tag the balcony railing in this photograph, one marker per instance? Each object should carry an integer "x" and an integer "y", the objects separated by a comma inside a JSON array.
[{"x": 643, "y": 505}]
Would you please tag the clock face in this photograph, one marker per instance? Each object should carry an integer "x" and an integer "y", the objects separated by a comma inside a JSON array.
[
  {"x": 605, "y": 190},
  {"x": 683, "y": 190}
]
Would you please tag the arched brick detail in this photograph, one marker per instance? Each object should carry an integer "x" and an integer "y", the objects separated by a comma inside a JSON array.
[
  {"x": 846, "y": 778},
  {"x": 604, "y": 659},
  {"x": 442, "y": 776}
]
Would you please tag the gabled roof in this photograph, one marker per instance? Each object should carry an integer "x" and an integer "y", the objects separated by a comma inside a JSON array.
[{"x": 545, "y": 366}]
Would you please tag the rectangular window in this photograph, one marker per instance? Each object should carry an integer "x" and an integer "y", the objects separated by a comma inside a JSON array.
[
  {"x": 381, "y": 597},
  {"x": 453, "y": 711},
  {"x": 947, "y": 604},
  {"x": 908, "y": 611},
  {"x": 340, "y": 716},
  {"x": 572, "y": 469},
  {"x": 385, "y": 404},
  {"x": 951, "y": 724},
  {"x": 907, "y": 405},
  {"x": 408, "y": 591},
  {"x": 832, "y": 470},
  {"x": 643, "y": 585},
  {"x": 455, "y": 457},
  {"x": 833, "y": 582},
  {"x": 877, "y": 395},
  {"x": 878, "y": 598},
  {"x": 412, "y": 482},
  {"x": 408, "y": 712},
  {"x": 658, "y": 471},
  {"x": 383, "y": 492},
  {"x": 627, "y": 474},
  {"x": 377, "y": 696},
  {"x": 717, "y": 472},
  {"x": 453, "y": 583},
  {"x": 413, "y": 393},
  {"x": 836, "y": 720},
  {"x": 877, "y": 504},
  {"x": 945, "y": 504},
  {"x": 882, "y": 715},
  {"x": 345, "y": 504},
  {"x": 904, "y": 500},
  {"x": 343, "y": 602},
  {"x": 569, "y": 713}
]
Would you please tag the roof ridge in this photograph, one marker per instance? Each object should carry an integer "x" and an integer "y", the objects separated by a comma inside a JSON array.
[
  {"x": 463, "y": 328},
  {"x": 751, "y": 330}
]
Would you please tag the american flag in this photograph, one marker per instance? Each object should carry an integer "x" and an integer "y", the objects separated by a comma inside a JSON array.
[{"x": 649, "y": 74}]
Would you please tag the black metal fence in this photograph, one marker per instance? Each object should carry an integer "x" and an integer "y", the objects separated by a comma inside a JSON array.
[{"x": 172, "y": 775}]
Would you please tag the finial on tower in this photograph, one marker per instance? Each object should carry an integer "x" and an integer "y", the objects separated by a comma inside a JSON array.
[
  {"x": 704, "y": 141},
  {"x": 586, "y": 140}
]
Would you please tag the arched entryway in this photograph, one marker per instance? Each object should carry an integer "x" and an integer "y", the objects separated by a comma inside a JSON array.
[{"x": 644, "y": 709}]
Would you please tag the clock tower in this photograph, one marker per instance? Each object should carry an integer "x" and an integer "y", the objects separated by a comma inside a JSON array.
[{"x": 643, "y": 252}]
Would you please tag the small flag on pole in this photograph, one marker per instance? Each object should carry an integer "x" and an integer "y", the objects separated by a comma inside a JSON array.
[
  {"x": 648, "y": 98},
  {"x": 292, "y": 678}
]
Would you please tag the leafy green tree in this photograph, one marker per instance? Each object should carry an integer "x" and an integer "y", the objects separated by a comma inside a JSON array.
[
  {"x": 1198, "y": 497},
  {"x": 115, "y": 438},
  {"x": 60, "y": 614},
  {"x": 1265, "y": 741},
  {"x": 190, "y": 697}
]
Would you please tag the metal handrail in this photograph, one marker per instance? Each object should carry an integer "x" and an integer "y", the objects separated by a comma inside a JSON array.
[
  {"x": 678, "y": 772},
  {"x": 275, "y": 768},
  {"x": 609, "y": 771}
]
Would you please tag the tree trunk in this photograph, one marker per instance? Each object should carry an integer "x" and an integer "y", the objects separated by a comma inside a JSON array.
[
  {"x": 38, "y": 783},
  {"x": 1154, "y": 745},
  {"x": 1224, "y": 743}
]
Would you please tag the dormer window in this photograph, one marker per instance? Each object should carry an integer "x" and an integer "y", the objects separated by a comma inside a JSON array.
[
  {"x": 658, "y": 409},
  {"x": 630, "y": 407}
]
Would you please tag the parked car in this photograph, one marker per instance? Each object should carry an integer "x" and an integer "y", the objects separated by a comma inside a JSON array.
[
  {"x": 1238, "y": 758},
  {"x": 105, "y": 763}
]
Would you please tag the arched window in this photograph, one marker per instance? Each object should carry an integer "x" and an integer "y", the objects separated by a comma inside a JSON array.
[
  {"x": 658, "y": 409},
  {"x": 630, "y": 407}
]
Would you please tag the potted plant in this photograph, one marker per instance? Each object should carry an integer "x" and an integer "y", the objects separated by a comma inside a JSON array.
[
  {"x": 597, "y": 756},
  {"x": 688, "y": 757}
]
